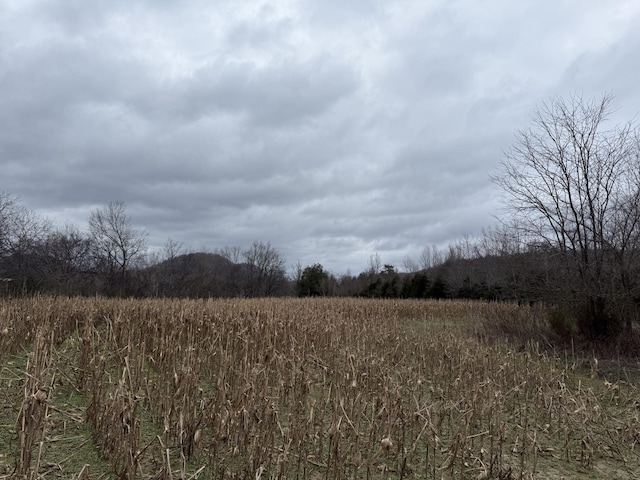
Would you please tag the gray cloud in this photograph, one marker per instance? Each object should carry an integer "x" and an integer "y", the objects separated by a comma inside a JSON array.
[{"x": 332, "y": 130}]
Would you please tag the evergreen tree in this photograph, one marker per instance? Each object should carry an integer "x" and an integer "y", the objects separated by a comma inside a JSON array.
[{"x": 313, "y": 282}]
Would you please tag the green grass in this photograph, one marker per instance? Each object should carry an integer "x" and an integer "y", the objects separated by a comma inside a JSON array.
[{"x": 67, "y": 445}]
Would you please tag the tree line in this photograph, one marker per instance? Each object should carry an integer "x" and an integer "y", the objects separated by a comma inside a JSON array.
[
  {"x": 111, "y": 258},
  {"x": 571, "y": 237}
]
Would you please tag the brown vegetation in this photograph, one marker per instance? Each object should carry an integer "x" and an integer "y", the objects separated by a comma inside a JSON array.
[{"x": 300, "y": 388}]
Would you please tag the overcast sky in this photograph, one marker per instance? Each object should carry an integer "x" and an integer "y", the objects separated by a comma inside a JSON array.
[{"x": 332, "y": 129}]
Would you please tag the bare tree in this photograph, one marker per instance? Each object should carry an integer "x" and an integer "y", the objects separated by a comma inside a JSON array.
[
  {"x": 171, "y": 249},
  {"x": 430, "y": 257},
  {"x": 19, "y": 226},
  {"x": 8, "y": 206},
  {"x": 266, "y": 274},
  {"x": 409, "y": 265},
  {"x": 501, "y": 240},
  {"x": 68, "y": 258},
  {"x": 233, "y": 254},
  {"x": 22, "y": 234},
  {"x": 116, "y": 244},
  {"x": 297, "y": 271},
  {"x": 375, "y": 264},
  {"x": 570, "y": 184}
]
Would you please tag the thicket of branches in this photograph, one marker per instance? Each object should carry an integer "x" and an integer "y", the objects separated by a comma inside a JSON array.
[{"x": 573, "y": 184}]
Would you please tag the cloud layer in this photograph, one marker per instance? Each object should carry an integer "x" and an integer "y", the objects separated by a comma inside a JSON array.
[{"x": 333, "y": 130}]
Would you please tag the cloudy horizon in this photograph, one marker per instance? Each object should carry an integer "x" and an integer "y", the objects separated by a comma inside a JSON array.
[{"x": 334, "y": 131}]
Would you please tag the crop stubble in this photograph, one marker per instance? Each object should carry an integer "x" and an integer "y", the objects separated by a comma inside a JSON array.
[{"x": 298, "y": 388}]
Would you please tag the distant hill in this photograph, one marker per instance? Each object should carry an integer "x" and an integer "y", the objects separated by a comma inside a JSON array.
[{"x": 196, "y": 275}]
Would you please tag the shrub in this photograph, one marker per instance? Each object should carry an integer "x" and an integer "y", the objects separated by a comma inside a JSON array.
[
  {"x": 595, "y": 321},
  {"x": 562, "y": 326}
]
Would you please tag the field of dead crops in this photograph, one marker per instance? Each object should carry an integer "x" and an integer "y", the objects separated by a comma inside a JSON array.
[{"x": 300, "y": 389}]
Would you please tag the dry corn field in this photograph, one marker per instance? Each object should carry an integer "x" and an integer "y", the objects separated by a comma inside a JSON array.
[{"x": 299, "y": 389}]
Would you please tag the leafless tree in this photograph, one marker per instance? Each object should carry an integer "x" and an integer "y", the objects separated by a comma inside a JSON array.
[
  {"x": 171, "y": 249},
  {"x": 296, "y": 272},
  {"x": 67, "y": 253},
  {"x": 409, "y": 265},
  {"x": 22, "y": 234},
  {"x": 20, "y": 227},
  {"x": 573, "y": 186},
  {"x": 116, "y": 244},
  {"x": 375, "y": 264},
  {"x": 430, "y": 257},
  {"x": 233, "y": 254},
  {"x": 8, "y": 207},
  {"x": 501, "y": 240},
  {"x": 265, "y": 274}
]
